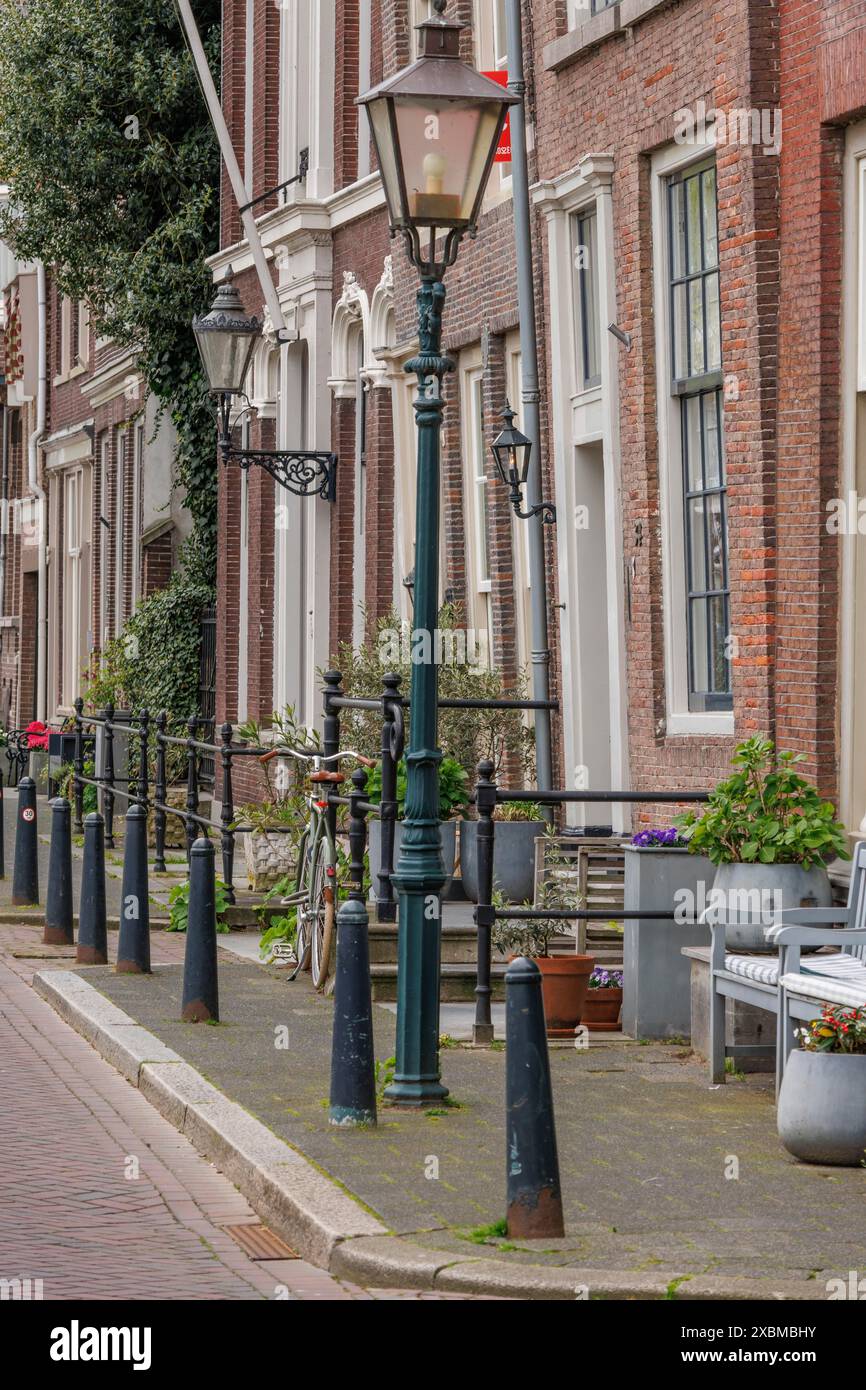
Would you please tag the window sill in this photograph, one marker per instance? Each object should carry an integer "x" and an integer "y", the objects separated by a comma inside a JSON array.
[
  {"x": 717, "y": 725},
  {"x": 595, "y": 30}
]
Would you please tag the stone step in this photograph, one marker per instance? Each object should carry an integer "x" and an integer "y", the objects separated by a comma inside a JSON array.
[{"x": 457, "y": 983}]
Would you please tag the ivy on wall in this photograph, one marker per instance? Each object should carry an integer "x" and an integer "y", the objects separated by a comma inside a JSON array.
[{"x": 113, "y": 169}]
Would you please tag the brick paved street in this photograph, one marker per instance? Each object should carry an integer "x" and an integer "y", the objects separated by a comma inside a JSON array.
[{"x": 73, "y": 1132}]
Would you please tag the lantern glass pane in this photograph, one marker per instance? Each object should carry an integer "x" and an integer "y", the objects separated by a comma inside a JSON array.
[
  {"x": 226, "y": 357},
  {"x": 444, "y": 149},
  {"x": 384, "y": 141}
]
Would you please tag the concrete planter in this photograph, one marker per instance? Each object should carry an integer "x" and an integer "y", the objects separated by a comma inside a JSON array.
[
  {"x": 269, "y": 857},
  {"x": 656, "y": 987},
  {"x": 513, "y": 858},
  {"x": 747, "y": 896},
  {"x": 374, "y": 845},
  {"x": 822, "y": 1108}
]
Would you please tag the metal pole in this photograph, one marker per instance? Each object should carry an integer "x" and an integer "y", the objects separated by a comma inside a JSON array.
[
  {"x": 530, "y": 396},
  {"x": 420, "y": 872}
]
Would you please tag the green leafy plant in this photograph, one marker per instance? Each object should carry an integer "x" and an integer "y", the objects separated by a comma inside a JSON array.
[
  {"x": 284, "y": 786},
  {"x": 114, "y": 175},
  {"x": 453, "y": 788},
  {"x": 65, "y": 784},
  {"x": 519, "y": 811},
  {"x": 765, "y": 813},
  {"x": 533, "y": 936},
  {"x": 466, "y": 735},
  {"x": 384, "y": 1075},
  {"x": 837, "y": 1030},
  {"x": 178, "y": 900}
]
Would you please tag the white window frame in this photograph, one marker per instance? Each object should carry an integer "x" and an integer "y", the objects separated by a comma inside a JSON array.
[
  {"x": 137, "y": 484},
  {"x": 365, "y": 58},
  {"x": 105, "y": 533},
  {"x": 519, "y": 529},
  {"x": 73, "y": 521},
  {"x": 82, "y": 358},
  {"x": 120, "y": 462},
  {"x": 307, "y": 96},
  {"x": 679, "y": 719},
  {"x": 476, "y": 478},
  {"x": 419, "y": 11}
]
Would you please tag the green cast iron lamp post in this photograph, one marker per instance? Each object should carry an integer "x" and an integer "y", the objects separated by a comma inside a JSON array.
[{"x": 436, "y": 126}]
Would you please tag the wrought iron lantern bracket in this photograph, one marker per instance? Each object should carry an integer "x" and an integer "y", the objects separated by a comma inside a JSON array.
[{"x": 304, "y": 472}]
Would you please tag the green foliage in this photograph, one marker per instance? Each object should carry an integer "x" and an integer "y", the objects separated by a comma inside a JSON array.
[
  {"x": 114, "y": 170},
  {"x": 483, "y": 1235},
  {"x": 837, "y": 1030},
  {"x": 519, "y": 811},
  {"x": 64, "y": 782},
  {"x": 465, "y": 735},
  {"x": 765, "y": 813},
  {"x": 557, "y": 892},
  {"x": 284, "y": 785},
  {"x": 155, "y": 662},
  {"x": 283, "y": 928},
  {"x": 453, "y": 788},
  {"x": 178, "y": 899},
  {"x": 384, "y": 1074}
]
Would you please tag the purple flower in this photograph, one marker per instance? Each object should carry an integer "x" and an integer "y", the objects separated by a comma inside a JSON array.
[
  {"x": 605, "y": 979},
  {"x": 652, "y": 839}
]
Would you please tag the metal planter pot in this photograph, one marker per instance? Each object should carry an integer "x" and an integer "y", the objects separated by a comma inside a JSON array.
[
  {"x": 374, "y": 845},
  {"x": 822, "y": 1108},
  {"x": 513, "y": 858},
  {"x": 747, "y": 897}
]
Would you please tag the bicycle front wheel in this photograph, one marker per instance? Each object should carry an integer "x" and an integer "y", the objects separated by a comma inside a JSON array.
[{"x": 322, "y": 911}]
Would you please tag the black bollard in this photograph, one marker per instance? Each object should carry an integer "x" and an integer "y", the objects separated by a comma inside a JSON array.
[
  {"x": 25, "y": 879},
  {"x": 133, "y": 946},
  {"x": 353, "y": 1068},
  {"x": 92, "y": 927},
  {"x": 200, "y": 983},
  {"x": 533, "y": 1193},
  {"x": 58, "y": 930},
  {"x": 2, "y": 831}
]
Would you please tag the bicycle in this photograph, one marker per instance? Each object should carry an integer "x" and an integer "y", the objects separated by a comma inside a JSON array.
[{"x": 315, "y": 894}]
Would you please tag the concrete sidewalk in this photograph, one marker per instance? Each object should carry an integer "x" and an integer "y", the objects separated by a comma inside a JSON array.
[{"x": 670, "y": 1188}]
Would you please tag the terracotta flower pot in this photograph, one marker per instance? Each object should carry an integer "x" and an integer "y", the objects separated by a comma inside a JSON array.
[
  {"x": 564, "y": 985},
  {"x": 601, "y": 1010}
]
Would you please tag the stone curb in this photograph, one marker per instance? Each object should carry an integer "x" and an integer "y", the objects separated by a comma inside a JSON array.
[{"x": 316, "y": 1216}]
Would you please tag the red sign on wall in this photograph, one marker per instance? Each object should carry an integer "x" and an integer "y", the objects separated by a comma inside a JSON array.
[{"x": 503, "y": 151}]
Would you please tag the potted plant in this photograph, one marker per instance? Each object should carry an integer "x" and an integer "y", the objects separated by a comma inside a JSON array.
[
  {"x": 661, "y": 876},
  {"x": 564, "y": 979},
  {"x": 518, "y": 826},
  {"x": 603, "y": 1001},
  {"x": 822, "y": 1103},
  {"x": 771, "y": 834},
  {"x": 453, "y": 800},
  {"x": 275, "y": 823}
]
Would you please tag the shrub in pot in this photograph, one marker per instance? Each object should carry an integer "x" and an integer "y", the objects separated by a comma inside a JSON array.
[
  {"x": 453, "y": 800},
  {"x": 603, "y": 1001},
  {"x": 771, "y": 834},
  {"x": 564, "y": 979},
  {"x": 518, "y": 826},
  {"x": 275, "y": 824},
  {"x": 822, "y": 1103}
]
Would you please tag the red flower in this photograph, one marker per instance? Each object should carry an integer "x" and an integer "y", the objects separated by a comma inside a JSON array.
[{"x": 37, "y": 734}]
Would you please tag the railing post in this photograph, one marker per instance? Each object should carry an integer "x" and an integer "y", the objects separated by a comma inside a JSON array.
[
  {"x": 143, "y": 784},
  {"x": 78, "y": 766},
  {"x": 485, "y": 797},
  {"x": 227, "y": 812},
  {"x": 160, "y": 793},
  {"x": 392, "y": 739},
  {"x": 331, "y": 730},
  {"x": 191, "y": 785},
  {"x": 108, "y": 776},
  {"x": 353, "y": 1081}
]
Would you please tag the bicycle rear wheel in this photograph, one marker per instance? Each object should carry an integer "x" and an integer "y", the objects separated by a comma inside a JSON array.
[
  {"x": 322, "y": 911},
  {"x": 302, "y": 886}
]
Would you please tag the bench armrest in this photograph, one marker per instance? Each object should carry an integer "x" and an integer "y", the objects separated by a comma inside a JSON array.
[
  {"x": 810, "y": 917},
  {"x": 812, "y": 936}
]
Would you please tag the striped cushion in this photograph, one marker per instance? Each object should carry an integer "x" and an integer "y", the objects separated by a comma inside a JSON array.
[
  {"x": 828, "y": 991},
  {"x": 760, "y": 968},
  {"x": 840, "y": 967}
]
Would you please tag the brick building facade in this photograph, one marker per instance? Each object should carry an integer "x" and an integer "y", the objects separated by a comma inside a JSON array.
[{"x": 698, "y": 177}]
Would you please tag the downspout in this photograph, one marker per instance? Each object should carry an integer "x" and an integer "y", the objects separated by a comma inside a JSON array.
[
  {"x": 36, "y": 489},
  {"x": 540, "y": 641},
  {"x": 4, "y": 500}
]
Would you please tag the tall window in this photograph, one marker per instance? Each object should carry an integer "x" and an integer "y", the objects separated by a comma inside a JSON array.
[
  {"x": 696, "y": 365},
  {"x": 71, "y": 586},
  {"x": 120, "y": 531},
  {"x": 104, "y": 536},
  {"x": 585, "y": 253},
  {"x": 478, "y": 583}
]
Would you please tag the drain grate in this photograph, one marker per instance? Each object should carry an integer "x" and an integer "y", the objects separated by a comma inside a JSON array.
[{"x": 260, "y": 1243}]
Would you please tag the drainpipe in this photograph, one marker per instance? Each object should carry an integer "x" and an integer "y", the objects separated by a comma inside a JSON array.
[
  {"x": 4, "y": 510},
  {"x": 530, "y": 394},
  {"x": 36, "y": 489}
]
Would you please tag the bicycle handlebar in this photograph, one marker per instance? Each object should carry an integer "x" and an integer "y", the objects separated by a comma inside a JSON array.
[{"x": 284, "y": 751}]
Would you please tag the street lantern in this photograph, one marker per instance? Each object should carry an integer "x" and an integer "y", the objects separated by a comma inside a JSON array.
[
  {"x": 227, "y": 338},
  {"x": 512, "y": 452},
  {"x": 436, "y": 126}
]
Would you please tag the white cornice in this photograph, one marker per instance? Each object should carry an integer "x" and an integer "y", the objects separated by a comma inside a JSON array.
[
  {"x": 593, "y": 173},
  {"x": 115, "y": 378}
]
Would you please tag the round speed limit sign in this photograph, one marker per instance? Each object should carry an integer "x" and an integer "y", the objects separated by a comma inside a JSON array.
[{"x": 28, "y": 813}]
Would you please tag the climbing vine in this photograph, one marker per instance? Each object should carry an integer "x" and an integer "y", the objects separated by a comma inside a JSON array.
[{"x": 113, "y": 169}]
